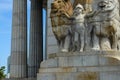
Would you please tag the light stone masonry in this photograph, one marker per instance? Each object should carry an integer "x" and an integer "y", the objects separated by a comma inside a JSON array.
[{"x": 92, "y": 65}]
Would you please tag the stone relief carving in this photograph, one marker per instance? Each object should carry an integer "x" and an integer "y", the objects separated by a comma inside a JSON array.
[
  {"x": 106, "y": 24},
  {"x": 88, "y": 29},
  {"x": 61, "y": 10},
  {"x": 78, "y": 27}
]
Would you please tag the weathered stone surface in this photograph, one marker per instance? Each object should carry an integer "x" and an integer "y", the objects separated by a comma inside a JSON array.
[
  {"x": 65, "y": 76},
  {"x": 80, "y": 76},
  {"x": 49, "y": 63},
  {"x": 49, "y": 3},
  {"x": 108, "y": 61},
  {"x": 46, "y": 76},
  {"x": 51, "y": 41},
  {"x": 111, "y": 53},
  {"x": 52, "y": 48},
  {"x": 105, "y": 43},
  {"x": 110, "y": 76},
  {"x": 88, "y": 65},
  {"x": 60, "y": 23},
  {"x": 61, "y": 69},
  {"x": 18, "y": 60},
  {"x": 90, "y": 60},
  {"x": 98, "y": 69},
  {"x": 94, "y": 65},
  {"x": 87, "y": 76},
  {"x": 73, "y": 61}
]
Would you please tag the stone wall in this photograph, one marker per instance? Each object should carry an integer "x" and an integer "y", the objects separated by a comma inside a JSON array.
[{"x": 51, "y": 41}]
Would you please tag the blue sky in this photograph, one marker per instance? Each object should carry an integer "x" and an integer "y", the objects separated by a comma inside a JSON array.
[{"x": 5, "y": 30}]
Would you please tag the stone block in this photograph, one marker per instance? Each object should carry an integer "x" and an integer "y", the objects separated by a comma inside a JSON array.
[
  {"x": 63, "y": 61},
  {"x": 98, "y": 68},
  {"x": 49, "y": 24},
  {"x": 50, "y": 32},
  {"x": 49, "y": 63},
  {"x": 110, "y": 75},
  {"x": 48, "y": 13},
  {"x": 87, "y": 76},
  {"x": 52, "y": 40},
  {"x": 78, "y": 61},
  {"x": 108, "y": 61},
  {"x": 75, "y": 61},
  {"x": 52, "y": 49},
  {"x": 60, "y": 69},
  {"x": 110, "y": 68},
  {"x": 46, "y": 76},
  {"x": 90, "y": 60},
  {"x": 70, "y": 61},
  {"x": 78, "y": 76},
  {"x": 88, "y": 69},
  {"x": 65, "y": 76}
]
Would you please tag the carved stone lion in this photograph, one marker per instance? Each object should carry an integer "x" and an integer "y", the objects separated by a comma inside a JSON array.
[
  {"x": 61, "y": 10},
  {"x": 106, "y": 24}
]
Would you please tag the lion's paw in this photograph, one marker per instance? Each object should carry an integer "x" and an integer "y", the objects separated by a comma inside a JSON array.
[{"x": 64, "y": 50}]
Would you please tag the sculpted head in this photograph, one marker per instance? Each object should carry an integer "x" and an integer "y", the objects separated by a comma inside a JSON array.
[
  {"x": 57, "y": 4},
  {"x": 62, "y": 7},
  {"x": 106, "y": 5},
  {"x": 78, "y": 9}
]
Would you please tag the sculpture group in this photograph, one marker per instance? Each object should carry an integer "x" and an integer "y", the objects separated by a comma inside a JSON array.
[{"x": 79, "y": 29}]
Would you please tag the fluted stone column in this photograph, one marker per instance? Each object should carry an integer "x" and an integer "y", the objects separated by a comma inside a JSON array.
[
  {"x": 35, "y": 49},
  {"x": 18, "y": 65}
]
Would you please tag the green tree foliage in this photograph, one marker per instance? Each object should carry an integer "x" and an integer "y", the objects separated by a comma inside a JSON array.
[{"x": 2, "y": 75}]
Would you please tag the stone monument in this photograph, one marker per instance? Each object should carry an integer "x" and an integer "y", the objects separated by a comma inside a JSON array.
[{"x": 82, "y": 40}]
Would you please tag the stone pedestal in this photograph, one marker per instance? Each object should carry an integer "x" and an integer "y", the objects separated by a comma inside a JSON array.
[{"x": 91, "y": 65}]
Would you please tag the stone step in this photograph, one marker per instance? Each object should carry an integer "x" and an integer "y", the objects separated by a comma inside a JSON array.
[
  {"x": 93, "y": 65},
  {"x": 114, "y": 75},
  {"x": 96, "y": 58},
  {"x": 80, "y": 69},
  {"x": 85, "y": 53}
]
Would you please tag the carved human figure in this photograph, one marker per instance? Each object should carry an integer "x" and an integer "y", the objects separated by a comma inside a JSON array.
[
  {"x": 79, "y": 27},
  {"x": 106, "y": 23},
  {"x": 61, "y": 10}
]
